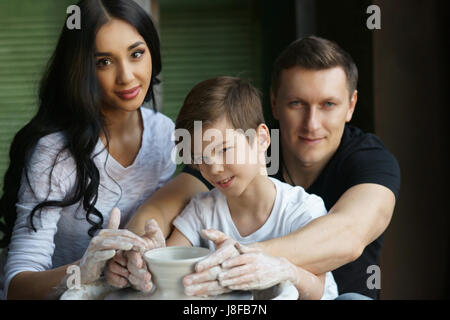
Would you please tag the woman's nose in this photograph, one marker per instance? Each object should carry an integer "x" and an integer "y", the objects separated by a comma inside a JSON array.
[{"x": 125, "y": 73}]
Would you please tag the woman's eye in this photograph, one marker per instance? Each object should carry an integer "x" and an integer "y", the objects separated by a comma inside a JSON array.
[
  {"x": 138, "y": 54},
  {"x": 103, "y": 62}
]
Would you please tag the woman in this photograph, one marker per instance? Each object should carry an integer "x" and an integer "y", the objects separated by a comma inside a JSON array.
[{"x": 89, "y": 148}]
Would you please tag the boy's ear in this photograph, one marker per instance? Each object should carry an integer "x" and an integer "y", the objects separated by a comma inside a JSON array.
[{"x": 263, "y": 135}]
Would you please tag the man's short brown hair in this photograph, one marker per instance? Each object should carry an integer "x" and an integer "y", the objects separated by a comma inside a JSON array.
[
  {"x": 315, "y": 53},
  {"x": 214, "y": 98}
]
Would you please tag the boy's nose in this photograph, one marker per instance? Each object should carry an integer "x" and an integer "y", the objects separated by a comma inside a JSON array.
[{"x": 215, "y": 168}]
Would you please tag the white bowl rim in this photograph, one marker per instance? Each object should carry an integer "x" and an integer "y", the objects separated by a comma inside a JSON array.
[{"x": 153, "y": 260}]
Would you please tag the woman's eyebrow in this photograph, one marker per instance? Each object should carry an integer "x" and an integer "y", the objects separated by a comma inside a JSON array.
[{"x": 134, "y": 45}]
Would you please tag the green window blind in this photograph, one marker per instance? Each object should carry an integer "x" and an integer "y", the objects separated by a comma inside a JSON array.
[
  {"x": 201, "y": 39},
  {"x": 28, "y": 33}
]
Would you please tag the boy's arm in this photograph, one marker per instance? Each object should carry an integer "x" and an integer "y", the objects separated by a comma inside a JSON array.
[
  {"x": 178, "y": 239},
  {"x": 166, "y": 203}
]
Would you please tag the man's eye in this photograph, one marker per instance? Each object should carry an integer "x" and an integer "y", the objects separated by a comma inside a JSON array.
[
  {"x": 329, "y": 104},
  {"x": 295, "y": 103}
]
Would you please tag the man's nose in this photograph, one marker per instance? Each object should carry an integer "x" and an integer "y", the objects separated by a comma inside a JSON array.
[{"x": 312, "y": 118}]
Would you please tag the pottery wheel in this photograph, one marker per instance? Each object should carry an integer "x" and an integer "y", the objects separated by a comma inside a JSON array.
[
  {"x": 131, "y": 294},
  {"x": 100, "y": 290}
]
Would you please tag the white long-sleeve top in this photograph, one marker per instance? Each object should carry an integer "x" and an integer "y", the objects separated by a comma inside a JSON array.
[{"x": 62, "y": 233}]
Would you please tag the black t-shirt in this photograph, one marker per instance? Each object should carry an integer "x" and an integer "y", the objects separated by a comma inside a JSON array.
[{"x": 360, "y": 158}]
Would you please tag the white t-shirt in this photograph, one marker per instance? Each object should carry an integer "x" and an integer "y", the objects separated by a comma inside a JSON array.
[
  {"x": 62, "y": 233},
  {"x": 293, "y": 209}
]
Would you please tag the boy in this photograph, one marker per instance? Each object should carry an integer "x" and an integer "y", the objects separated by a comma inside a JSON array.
[{"x": 246, "y": 204}]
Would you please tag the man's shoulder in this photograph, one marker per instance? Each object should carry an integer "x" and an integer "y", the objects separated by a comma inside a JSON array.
[
  {"x": 354, "y": 138},
  {"x": 363, "y": 158},
  {"x": 362, "y": 147}
]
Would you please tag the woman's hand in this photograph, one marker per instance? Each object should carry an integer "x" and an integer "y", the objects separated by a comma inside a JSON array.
[
  {"x": 204, "y": 281},
  {"x": 104, "y": 246},
  {"x": 255, "y": 270},
  {"x": 129, "y": 268}
]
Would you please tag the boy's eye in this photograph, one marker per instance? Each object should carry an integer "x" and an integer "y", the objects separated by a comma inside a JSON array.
[{"x": 197, "y": 159}]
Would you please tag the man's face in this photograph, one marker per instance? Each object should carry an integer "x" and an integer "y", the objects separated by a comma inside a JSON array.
[{"x": 312, "y": 107}]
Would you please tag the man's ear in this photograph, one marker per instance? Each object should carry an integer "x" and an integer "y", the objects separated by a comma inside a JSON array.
[
  {"x": 273, "y": 104},
  {"x": 352, "y": 106}
]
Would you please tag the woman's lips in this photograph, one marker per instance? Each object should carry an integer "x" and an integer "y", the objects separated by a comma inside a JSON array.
[{"x": 129, "y": 94}]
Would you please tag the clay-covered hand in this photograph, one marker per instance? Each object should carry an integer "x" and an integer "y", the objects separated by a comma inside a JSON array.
[
  {"x": 255, "y": 270},
  {"x": 204, "y": 281},
  {"x": 116, "y": 272},
  {"x": 139, "y": 275},
  {"x": 105, "y": 245}
]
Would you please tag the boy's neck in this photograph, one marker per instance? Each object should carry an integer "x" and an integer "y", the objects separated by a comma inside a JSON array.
[{"x": 253, "y": 207}]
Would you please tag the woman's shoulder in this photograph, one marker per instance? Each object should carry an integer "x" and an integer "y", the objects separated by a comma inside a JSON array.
[
  {"x": 155, "y": 120},
  {"x": 51, "y": 150}
]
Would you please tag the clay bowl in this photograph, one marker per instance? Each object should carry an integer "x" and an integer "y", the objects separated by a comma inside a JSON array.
[{"x": 169, "y": 265}]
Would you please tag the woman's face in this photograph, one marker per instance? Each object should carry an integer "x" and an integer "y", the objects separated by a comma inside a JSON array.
[{"x": 124, "y": 66}]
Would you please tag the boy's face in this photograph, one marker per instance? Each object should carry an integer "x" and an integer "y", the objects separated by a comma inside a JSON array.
[
  {"x": 228, "y": 160},
  {"x": 312, "y": 107}
]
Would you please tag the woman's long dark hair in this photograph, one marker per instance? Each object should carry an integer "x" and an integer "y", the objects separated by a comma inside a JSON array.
[{"x": 69, "y": 99}]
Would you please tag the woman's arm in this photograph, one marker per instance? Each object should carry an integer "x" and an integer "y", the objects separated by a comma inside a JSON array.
[
  {"x": 50, "y": 284},
  {"x": 30, "y": 285},
  {"x": 166, "y": 203},
  {"x": 359, "y": 217}
]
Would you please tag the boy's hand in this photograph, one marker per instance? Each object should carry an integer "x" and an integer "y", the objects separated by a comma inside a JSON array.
[{"x": 130, "y": 268}]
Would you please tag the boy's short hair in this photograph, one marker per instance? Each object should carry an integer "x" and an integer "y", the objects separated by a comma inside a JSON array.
[
  {"x": 214, "y": 98},
  {"x": 315, "y": 53}
]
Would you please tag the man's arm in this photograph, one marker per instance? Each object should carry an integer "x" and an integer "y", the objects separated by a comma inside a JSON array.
[
  {"x": 166, "y": 203},
  {"x": 359, "y": 217}
]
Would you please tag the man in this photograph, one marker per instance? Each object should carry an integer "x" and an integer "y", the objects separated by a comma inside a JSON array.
[{"x": 313, "y": 96}]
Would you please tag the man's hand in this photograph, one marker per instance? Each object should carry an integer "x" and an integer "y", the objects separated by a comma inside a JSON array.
[
  {"x": 204, "y": 280},
  {"x": 255, "y": 270}
]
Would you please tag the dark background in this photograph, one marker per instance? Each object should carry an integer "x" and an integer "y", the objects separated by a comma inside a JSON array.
[{"x": 403, "y": 98}]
